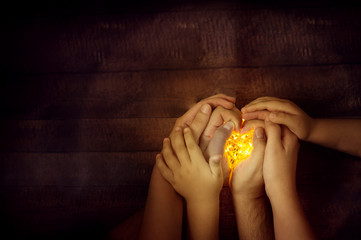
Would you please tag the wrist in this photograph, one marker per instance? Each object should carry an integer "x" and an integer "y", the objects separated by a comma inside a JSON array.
[
  {"x": 248, "y": 202},
  {"x": 248, "y": 196},
  {"x": 313, "y": 123},
  {"x": 202, "y": 203},
  {"x": 281, "y": 194}
]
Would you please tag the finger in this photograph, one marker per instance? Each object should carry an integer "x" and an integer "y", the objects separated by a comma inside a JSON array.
[
  {"x": 214, "y": 101},
  {"x": 163, "y": 169},
  {"x": 289, "y": 120},
  {"x": 289, "y": 139},
  {"x": 215, "y": 165},
  {"x": 273, "y": 132},
  {"x": 259, "y": 146},
  {"x": 251, "y": 124},
  {"x": 262, "y": 115},
  {"x": 200, "y": 121},
  {"x": 194, "y": 151},
  {"x": 168, "y": 155},
  {"x": 262, "y": 99},
  {"x": 218, "y": 117},
  {"x": 224, "y": 96},
  {"x": 220, "y": 100},
  {"x": 216, "y": 145},
  {"x": 272, "y": 105},
  {"x": 179, "y": 146}
]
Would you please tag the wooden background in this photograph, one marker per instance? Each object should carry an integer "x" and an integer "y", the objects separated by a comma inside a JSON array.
[{"x": 89, "y": 90}]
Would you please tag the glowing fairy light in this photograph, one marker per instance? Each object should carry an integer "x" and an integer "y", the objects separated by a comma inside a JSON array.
[{"x": 238, "y": 147}]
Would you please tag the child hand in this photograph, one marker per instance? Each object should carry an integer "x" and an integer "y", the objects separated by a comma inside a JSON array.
[
  {"x": 280, "y": 160},
  {"x": 280, "y": 111},
  {"x": 183, "y": 165}
]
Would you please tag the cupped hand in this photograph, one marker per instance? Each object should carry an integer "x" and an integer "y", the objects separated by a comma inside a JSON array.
[
  {"x": 280, "y": 111},
  {"x": 280, "y": 160},
  {"x": 219, "y": 128},
  {"x": 247, "y": 177}
]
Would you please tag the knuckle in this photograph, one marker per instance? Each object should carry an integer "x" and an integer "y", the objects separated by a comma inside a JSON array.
[
  {"x": 219, "y": 109},
  {"x": 178, "y": 143},
  {"x": 191, "y": 146}
]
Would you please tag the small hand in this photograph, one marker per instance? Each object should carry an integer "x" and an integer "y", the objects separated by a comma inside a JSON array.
[
  {"x": 183, "y": 165},
  {"x": 280, "y": 111},
  {"x": 280, "y": 160}
]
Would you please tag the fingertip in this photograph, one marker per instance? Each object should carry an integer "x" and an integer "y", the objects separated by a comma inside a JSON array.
[
  {"x": 272, "y": 116},
  {"x": 206, "y": 108},
  {"x": 186, "y": 130},
  {"x": 244, "y": 130},
  {"x": 259, "y": 133},
  {"x": 229, "y": 125},
  {"x": 216, "y": 159},
  {"x": 158, "y": 160},
  {"x": 237, "y": 128},
  {"x": 165, "y": 140}
]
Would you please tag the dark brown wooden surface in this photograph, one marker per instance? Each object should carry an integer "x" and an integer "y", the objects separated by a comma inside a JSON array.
[{"x": 88, "y": 94}]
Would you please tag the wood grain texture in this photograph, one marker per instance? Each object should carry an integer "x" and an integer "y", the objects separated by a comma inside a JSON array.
[
  {"x": 85, "y": 135},
  {"x": 105, "y": 188},
  {"x": 90, "y": 92},
  {"x": 185, "y": 40},
  {"x": 168, "y": 94},
  {"x": 67, "y": 212}
]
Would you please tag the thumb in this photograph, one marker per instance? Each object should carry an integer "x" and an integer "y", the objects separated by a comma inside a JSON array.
[
  {"x": 215, "y": 164},
  {"x": 259, "y": 146},
  {"x": 216, "y": 145}
]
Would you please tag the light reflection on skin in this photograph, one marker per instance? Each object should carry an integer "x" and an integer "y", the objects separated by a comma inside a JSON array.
[{"x": 238, "y": 147}]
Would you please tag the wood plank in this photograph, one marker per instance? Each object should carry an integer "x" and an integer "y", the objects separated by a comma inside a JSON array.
[
  {"x": 184, "y": 40},
  {"x": 85, "y": 135},
  {"x": 317, "y": 166},
  {"x": 98, "y": 190},
  {"x": 85, "y": 210},
  {"x": 76, "y": 169},
  {"x": 59, "y": 212},
  {"x": 322, "y": 91}
]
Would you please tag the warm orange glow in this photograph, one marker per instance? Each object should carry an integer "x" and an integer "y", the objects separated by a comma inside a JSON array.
[{"x": 238, "y": 148}]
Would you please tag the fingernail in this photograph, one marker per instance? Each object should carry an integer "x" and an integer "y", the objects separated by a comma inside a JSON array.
[
  {"x": 243, "y": 110},
  {"x": 215, "y": 158},
  {"x": 205, "y": 108},
  {"x": 177, "y": 129},
  {"x": 165, "y": 140},
  {"x": 244, "y": 130},
  {"x": 186, "y": 130},
  {"x": 259, "y": 133},
  {"x": 228, "y": 125},
  {"x": 272, "y": 115}
]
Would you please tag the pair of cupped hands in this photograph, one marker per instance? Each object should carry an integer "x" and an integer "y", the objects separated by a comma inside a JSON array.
[{"x": 193, "y": 162}]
